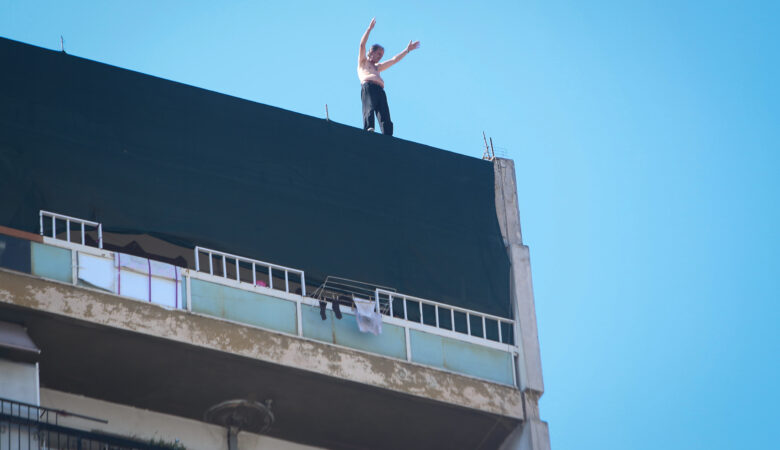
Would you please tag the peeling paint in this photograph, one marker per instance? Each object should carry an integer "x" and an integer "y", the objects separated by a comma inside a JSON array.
[{"x": 182, "y": 326}]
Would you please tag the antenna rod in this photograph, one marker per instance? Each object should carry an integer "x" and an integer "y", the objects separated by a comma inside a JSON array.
[
  {"x": 327, "y": 116},
  {"x": 487, "y": 153},
  {"x": 62, "y": 44}
]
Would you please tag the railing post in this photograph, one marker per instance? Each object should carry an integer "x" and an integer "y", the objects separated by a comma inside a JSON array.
[
  {"x": 197, "y": 259},
  {"x": 189, "y": 291},
  {"x": 74, "y": 267},
  {"x": 303, "y": 284},
  {"x": 299, "y": 316},
  {"x": 68, "y": 220},
  {"x": 390, "y": 301},
  {"x": 408, "y": 341}
]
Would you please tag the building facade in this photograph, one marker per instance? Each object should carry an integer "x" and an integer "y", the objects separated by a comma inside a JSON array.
[{"x": 183, "y": 269}]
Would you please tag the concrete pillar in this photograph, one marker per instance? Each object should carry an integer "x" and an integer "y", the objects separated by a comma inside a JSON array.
[{"x": 532, "y": 434}]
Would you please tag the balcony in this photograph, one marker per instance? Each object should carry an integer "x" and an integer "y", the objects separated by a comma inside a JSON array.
[
  {"x": 264, "y": 295},
  {"x": 29, "y": 427},
  {"x": 153, "y": 335}
]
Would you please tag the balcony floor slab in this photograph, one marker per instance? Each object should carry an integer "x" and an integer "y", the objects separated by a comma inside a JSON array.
[{"x": 172, "y": 361}]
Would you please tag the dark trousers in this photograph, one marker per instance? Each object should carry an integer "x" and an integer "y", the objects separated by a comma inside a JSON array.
[{"x": 375, "y": 101}]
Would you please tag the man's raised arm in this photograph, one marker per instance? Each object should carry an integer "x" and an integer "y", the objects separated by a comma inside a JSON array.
[
  {"x": 364, "y": 39},
  {"x": 386, "y": 64}
]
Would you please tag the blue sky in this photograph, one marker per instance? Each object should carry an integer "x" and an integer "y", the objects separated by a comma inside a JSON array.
[{"x": 645, "y": 137}]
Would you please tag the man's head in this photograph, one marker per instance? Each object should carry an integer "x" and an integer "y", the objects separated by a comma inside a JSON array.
[{"x": 375, "y": 53}]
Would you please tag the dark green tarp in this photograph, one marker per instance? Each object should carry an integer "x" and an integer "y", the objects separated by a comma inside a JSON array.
[{"x": 193, "y": 167}]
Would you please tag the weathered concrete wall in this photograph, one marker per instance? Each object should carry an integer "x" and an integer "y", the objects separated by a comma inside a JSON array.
[
  {"x": 221, "y": 335},
  {"x": 147, "y": 425},
  {"x": 533, "y": 433},
  {"x": 521, "y": 285}
]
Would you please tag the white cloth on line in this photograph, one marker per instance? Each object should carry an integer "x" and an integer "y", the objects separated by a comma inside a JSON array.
[{"x": 368, "y": 320}]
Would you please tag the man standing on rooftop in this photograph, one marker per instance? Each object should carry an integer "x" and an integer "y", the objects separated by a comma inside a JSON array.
[{"x": 372, "y": 87}]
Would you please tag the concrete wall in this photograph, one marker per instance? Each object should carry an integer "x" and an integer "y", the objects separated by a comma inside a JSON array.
[
  {"x": 533, "y": 434},
  {"x": 213, "y": 333},
  {"x": 146, "y": 425},
  {"x": 530, "y": 367}
]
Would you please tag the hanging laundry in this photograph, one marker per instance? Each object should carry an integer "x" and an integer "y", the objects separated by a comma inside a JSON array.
[
  {"x": 336, "y": 309},
  {"x": 368, "y": 319}
]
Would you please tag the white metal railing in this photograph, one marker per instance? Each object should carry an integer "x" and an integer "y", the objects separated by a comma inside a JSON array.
[
  {"x": 443, "y": 322},
  {"x": 336, "y": 288},
  {"x": 68, "y": 219},
  {"x": 393, "y": 313},
  {"x": 237, "y": 260},
  {"x": 385, "y": 299}
]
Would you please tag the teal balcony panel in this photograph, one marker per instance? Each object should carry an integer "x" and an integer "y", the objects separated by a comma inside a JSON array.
[
  {"x": 462, "y": 357},
  {"x": 345, "y": 332},
  {"x": 52, "y": 262},
  {"x": 183, "y": 284},
  {"x": 243, "y": 306}
]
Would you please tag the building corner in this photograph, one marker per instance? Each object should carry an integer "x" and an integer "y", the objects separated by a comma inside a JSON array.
[{"x": 533, "y": 433}]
